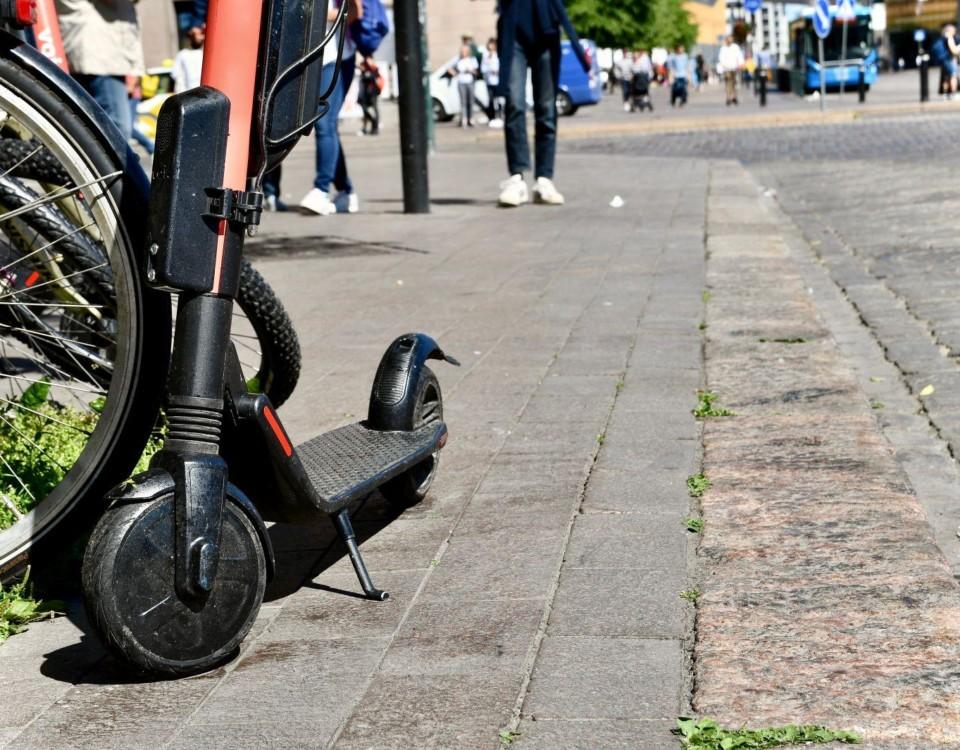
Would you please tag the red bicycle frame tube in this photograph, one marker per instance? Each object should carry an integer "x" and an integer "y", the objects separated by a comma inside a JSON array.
[
  {"x": 46, "y": 34},
  {"x": 230, "y": 66}
]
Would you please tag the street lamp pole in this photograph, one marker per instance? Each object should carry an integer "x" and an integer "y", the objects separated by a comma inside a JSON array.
[{"x": 413, "y": 112}]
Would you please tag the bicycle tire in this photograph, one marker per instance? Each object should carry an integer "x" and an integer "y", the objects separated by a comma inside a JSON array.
[
  {"x": 279, "y": 367},
  {"x": 143, "y": 321},
  {"x": 280, "y": 348},
  {"x": 30, "y": 160}
]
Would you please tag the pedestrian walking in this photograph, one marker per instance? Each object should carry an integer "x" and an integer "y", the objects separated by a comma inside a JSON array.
[
  {"x": 528, "y": 37},
  {"x": 490, "y": 68},
  {"x": 678, "y": 65},
  {"x": 729, "y": 64},
  {"x": 331, "y": 160},
  {"x": 944, "y": 52},
  {"x": 102, "y": 41},
  {"x": 701, "y": 68},
  {"x": 465, "y": 70},
  {"x": 371, "y": 85},
  {"x": 188, "y": 62},
  {"x": 624, "y": 68}
]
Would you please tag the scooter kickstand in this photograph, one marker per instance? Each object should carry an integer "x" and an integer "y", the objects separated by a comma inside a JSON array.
[{"x": 342, "y": 521}]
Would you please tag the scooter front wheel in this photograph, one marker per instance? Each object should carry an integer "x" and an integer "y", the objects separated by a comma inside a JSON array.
[{"x": 128, "y": 581}]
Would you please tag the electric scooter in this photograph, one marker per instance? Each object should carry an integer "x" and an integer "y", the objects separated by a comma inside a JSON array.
[{"x": 175, "y": 571}]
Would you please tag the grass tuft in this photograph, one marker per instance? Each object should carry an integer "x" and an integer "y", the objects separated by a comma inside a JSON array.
[
  {"x": 697, "y": 485},
  {"x": 705, "y": 734},
  {"x": 507, "y": 736},
  {"x": 693, "y": 524},
  {"x": 797, "y": 340},
  {"x": 18, "y": 608},
  {"x": 706, "y": 406},
  {"x": 691, "y": 595}
]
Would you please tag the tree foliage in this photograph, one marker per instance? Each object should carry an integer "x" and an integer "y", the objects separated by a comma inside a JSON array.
[{"x": 633, "y": 23}]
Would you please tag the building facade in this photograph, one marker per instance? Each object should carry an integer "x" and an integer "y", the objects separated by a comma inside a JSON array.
[{"x": 448, "y": 20}]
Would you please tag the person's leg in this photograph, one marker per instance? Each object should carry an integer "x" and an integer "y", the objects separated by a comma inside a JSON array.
[
  {"x": 469, "y": 100},
  {"x": 375, "y": 121},
  {"x": 545, "y": 112},
  {"x": 341, "y": 180},
  {"x": 110, "y": 92},
  {"x": 328, "y": 141},
  {"x": 515, "y": 125}
]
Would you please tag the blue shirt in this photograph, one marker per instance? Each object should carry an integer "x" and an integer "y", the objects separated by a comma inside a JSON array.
[{"x": 679, "y": 64}]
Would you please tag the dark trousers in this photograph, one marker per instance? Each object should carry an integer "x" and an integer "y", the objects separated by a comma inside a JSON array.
[{"x": 541, "y": 64}]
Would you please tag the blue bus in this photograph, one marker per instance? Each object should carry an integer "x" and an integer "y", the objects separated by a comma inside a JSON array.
[{"x": 802, "y": 76}]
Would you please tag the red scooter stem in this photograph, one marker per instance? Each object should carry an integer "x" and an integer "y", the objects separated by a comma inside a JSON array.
[
  {"x": 230, "y": 66},
  {"x": 46, "y": 34}
]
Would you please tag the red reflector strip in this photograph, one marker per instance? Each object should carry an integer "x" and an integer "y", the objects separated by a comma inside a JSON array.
[
  {"x": 278, "y": 432},
  {"x": 32, "y": 278},
  {"x": 25, "y": 11}
]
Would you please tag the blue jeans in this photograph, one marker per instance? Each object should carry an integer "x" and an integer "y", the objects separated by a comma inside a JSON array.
[
  {"x": 110, "y": 92},
  {"x": 331, "y": 163},
  {"x": 544, "y": 109}
]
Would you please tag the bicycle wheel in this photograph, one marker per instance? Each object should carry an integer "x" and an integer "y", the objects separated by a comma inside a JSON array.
[
  {"x": 263, "y": 333},
  {"x": 83, "y": 344}
]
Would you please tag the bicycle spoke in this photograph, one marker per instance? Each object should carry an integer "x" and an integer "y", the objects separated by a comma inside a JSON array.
[
  {"x": 33, "y": 443},
  {"x": 53, "y": 304},
  {"x": 26, "y": 158},
  {"x": 45, "y": 416},
  {"x": 58, "y": 259},
  {"x": 33, "y": 289},
  {"x": 19, "y": 480},
  {"x": 53, "y": 197},
  {"x": 11, "y": 506},
  {"x": 66, "y": 349},
  {"x": 59, "y": 385}
]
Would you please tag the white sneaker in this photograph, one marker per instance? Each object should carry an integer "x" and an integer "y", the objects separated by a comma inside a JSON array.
[
  {"x": 347, "y": 203},
  {"x": 513, "y": 191},
  {"x": 496, "y": 123},
  {"x": 544, "y": 191},
  {"x": 318, "y": 202}
]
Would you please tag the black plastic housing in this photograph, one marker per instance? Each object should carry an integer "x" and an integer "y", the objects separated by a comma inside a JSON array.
[
  {"x": 393, "y": 396},
  {"x": 189, "y": 160},
  {"x": 292, "y": 29}
]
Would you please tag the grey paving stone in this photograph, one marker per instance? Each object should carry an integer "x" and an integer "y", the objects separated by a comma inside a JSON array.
[
  {"x": 112, "y": 715},
  {"x": 431, "y": 712},
  {"x": 651, "y": 492},
  {"x": 302, "y": 681},
  {"x": 559, "y": 734},
  {"x": 454, "y": 637},
  {"x": 636, "y": 603},
  {"x": 275, "y": 735},
  {"x": 596, "y": 678},
  {"x": 490, "y": 568},
  {"x": 626, "y": 541}
]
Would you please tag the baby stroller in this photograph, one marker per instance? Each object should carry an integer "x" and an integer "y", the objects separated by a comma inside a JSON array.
[{"x": 640, "y": 93}]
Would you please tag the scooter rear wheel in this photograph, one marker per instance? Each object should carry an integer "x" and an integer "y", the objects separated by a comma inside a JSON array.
[
  {"x": 412, "y": 486},
  {"x": 128, "y": 581}
]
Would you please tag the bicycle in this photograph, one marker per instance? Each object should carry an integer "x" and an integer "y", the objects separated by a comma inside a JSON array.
[
  {"x": 62, "y": 317},
  {"x": 176, "y": 568}
]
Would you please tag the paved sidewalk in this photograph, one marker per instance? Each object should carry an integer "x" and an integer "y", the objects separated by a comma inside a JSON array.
[
  {"x": 540, "y": 578},
  {"x": 536, "y": 592}
]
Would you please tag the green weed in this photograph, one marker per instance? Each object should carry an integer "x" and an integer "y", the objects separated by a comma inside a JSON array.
[
  {"x": 693, "y": 524},
  {"x": 691, "y": 595},
  {"x": 507, "y": 736},
  {"x": 797, "y": 340},
  {"x": 705, "y": 734},
  {"x": 874, "y": 404},
  {"x": 706, "y": 406},
  {"x": 18, "y": 608},
  {"x": 705, "y": 296},
  {"x": 697, "y": 485},
  {"x": 40, "y": 441}
]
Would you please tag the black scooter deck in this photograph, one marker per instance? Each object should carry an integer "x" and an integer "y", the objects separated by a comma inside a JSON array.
[{"x": 352, "y": 461}]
